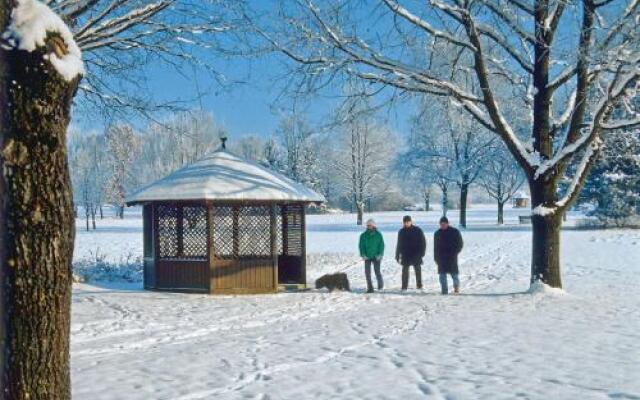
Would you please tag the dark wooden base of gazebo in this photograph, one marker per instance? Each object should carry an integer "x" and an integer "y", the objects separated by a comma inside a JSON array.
[{"x": 223, "y": 248}]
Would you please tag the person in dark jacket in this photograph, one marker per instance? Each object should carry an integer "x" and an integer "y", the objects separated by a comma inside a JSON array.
[
  {"x": 371, "y": 250},
  {"x": 410, "y": 250},
  {"x": 447, "y": 244}
]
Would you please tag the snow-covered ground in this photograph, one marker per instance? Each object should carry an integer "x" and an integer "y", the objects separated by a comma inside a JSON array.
[{"x": 495, "y": 341}]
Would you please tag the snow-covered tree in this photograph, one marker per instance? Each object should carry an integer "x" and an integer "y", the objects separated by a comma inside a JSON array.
[
  {"x": 180, "y": 139},
  {"x": 453, "y": 146},
  {"x": 565, "y": 63},
  {"x": 122, "y": 146},
  {"x": 501, "y": 178},
  {"x": 614, "y": 184},
  {"x": 90, "y": 175},
  {"x": 298, "y": 144},
  {"x": 120, "y": 38},
  {"x": 273, "y": 155},
  {"x": 40, "y": 67},
  {"x": 363, "y": 154}
]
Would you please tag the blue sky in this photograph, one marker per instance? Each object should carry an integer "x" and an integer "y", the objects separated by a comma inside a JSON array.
[{"x": 252, "y": 107}]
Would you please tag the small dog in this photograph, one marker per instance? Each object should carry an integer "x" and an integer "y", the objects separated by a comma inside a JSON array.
[{"x": 338, "y": 281}]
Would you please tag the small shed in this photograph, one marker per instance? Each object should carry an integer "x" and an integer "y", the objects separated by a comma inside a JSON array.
[
  {"x": 520, "y": 200},
  {"x": 224, "y": 225}
]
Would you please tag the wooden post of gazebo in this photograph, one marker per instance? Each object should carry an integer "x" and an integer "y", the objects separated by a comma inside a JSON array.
[{"x": 224, "y": 225}]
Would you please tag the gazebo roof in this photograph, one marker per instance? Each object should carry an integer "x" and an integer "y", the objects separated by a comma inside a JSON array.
[{"x": 224, "y": 176}]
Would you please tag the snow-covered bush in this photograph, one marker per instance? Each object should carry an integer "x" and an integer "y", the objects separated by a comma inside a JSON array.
[{"x": 96, "y": 268}]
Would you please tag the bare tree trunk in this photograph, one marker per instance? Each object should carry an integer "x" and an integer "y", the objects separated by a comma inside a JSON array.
[
  {"x": 427, "y": 199},
  {"x": 101, "y": 212},
  {"x": 86, "y": 216},
  {"x": 445, "y": 201},
  {"x": 38, "y": 225},
  {"x": 545, "y": 260},
  {"x": 500, "y": 213},
  {"x": 93, "y": 217},
  {"x": 464, "y": 194},
  {"x": 360, "y": 212}
]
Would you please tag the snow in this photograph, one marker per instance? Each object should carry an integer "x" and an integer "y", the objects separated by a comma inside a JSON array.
[
  {"x": 31, "y": 22},
  {"x": 225, "y": 176},
  {"x": 543, "y": 211},
  {"x": 497, "y": 340}
]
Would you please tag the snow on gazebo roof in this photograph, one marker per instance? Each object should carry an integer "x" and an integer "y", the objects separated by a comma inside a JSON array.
[{"x": 224, "y": 176}]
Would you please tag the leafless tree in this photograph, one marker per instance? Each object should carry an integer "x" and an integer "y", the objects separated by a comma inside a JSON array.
[
  {"x": 119, "y": 38},
  {"x": 501, "y": 178},
  {"x": 363, "y": 153},
  {"x": 122, "y": 146},
  {"x": 566, "y": 79},
  {"x": 454, "y": 144}
]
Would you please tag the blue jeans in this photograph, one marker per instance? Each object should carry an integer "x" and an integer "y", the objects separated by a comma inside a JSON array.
[{"x": 443, "y": 282}]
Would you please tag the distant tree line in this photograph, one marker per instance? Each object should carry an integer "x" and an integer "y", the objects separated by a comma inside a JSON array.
[{"x": 356, "y": 161}]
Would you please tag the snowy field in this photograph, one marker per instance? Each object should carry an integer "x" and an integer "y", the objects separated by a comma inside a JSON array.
[{"x": 494, "y": 341}]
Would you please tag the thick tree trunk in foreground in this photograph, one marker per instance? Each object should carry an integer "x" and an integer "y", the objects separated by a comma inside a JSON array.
[
  {"x": 39, "y": 230},
  {"x": 545, "y": 262},
  {"x": 464, "y": 195},
  {"x": 545, "y": 259}
]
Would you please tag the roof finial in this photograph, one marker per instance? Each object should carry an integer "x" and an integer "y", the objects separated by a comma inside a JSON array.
[{"x": 223, "y": 139}]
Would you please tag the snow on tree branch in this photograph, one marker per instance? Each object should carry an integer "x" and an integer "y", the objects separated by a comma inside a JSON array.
[{"x": 35, "y": 25}]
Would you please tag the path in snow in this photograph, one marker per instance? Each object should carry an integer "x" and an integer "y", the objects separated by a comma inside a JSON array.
[{"x": 491, "y": 342}]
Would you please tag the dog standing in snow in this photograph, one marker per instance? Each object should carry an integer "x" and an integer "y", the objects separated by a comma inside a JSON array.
[{"x": 337, "y": 281}]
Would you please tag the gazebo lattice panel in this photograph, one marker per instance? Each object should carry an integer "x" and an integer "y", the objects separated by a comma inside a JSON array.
[
  {"x": 254, "y": 231},
  {"x": 222, "y": 232},
  {"x": 167, "y": 223},
  {"x": 194, "y": 232}
]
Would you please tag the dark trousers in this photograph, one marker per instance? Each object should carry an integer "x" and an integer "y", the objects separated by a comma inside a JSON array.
[
  {"x": 405, "y": 276},
  {"x": 367, "y": 272}
]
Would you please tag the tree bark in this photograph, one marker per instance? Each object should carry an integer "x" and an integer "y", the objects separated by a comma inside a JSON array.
[
  {"x": 500, "y": 213},
  {"x": 464, "y": 194},
  {"x": 545, "y": 263},
  {"x": 38, "y": 226},
  {"x": 545, "y": 258}
]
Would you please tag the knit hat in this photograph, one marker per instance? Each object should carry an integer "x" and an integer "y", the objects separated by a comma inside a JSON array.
[
  {"x": 371, "y": 222},
  {"x": 444, "y": 219}
]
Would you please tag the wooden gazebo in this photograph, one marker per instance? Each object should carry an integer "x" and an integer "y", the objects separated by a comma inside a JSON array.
[{"x": 224, "y": 225}]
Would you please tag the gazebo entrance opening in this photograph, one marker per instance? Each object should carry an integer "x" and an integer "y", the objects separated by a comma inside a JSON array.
[{"x": 223, "y": 247}]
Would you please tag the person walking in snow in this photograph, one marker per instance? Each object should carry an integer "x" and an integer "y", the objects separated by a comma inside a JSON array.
[
  {"x": 410, "y": 250},
  {"x": 371, "y": 250},
  {"x": 447, "y": 244}
]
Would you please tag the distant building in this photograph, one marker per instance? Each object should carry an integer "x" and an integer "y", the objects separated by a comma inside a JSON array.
[{"x": 520, "y": 200}]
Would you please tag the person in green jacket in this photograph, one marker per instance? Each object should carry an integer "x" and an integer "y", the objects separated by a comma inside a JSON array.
[{"x": 371, "y": 251}]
